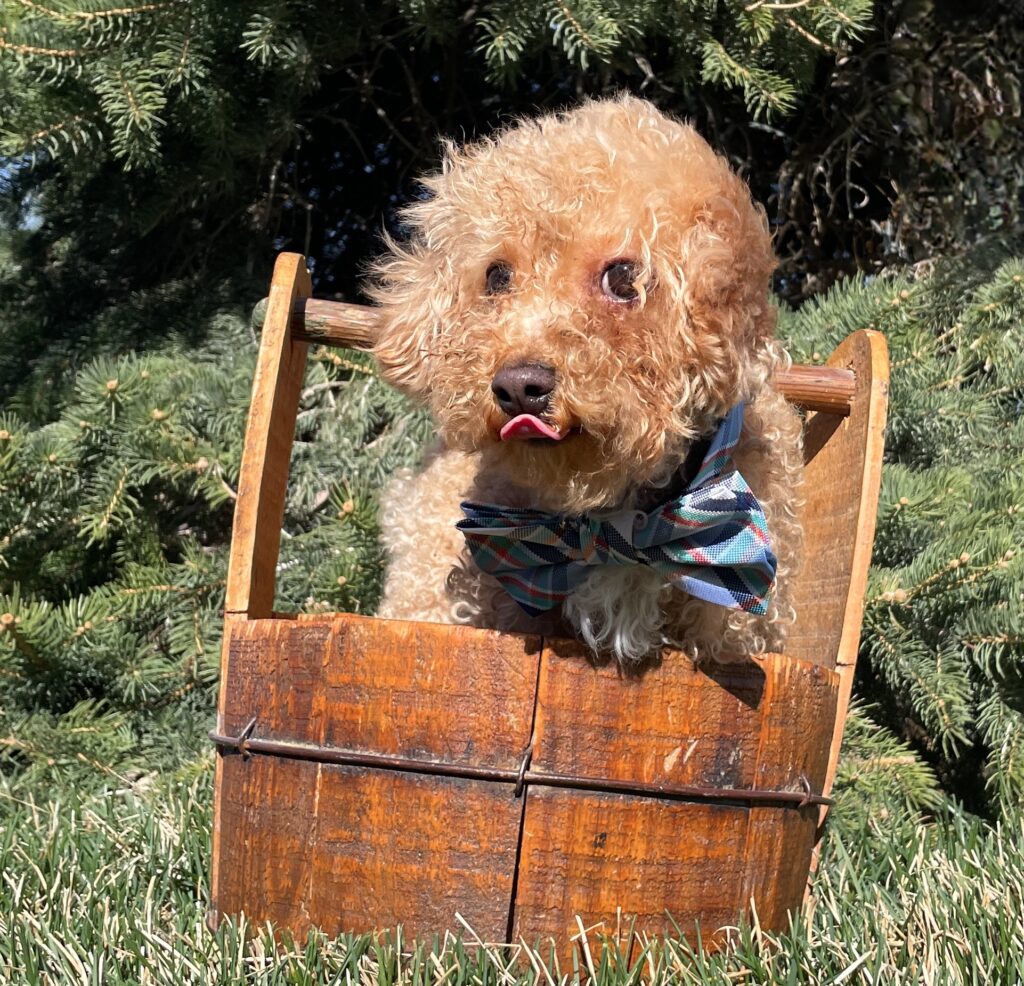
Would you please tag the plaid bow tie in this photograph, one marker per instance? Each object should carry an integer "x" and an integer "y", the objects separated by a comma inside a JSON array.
[{"x": 711, "y": 541}]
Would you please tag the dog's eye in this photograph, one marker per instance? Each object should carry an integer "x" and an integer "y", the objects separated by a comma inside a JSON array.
[
  {"x": 499, "y": 277},
  {"x": 618, "y": 281}
]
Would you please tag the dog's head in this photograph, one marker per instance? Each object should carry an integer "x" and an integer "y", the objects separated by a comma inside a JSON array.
[{"x": 580, "y": 297}]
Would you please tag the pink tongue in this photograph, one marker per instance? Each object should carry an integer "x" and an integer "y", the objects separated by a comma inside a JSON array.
[{"x": 528, "y": 426}]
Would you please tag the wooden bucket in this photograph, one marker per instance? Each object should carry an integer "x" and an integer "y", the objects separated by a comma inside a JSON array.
[{"x": 372, "y": 773}]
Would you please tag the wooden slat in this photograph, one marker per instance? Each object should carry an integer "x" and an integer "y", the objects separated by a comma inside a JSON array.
[
  {"x": 841, "y": 482},
  {"x": 266, "y": 814},
  {"x": 336, "y": 323},
  {"x": 593, "y": 855},
  {"x": 763, "y": 723},
  {"x": 798, "y": 709},
  {"x": 273, "y": 672},
  {"x": 780, "y": 845},
  {"x": 666, "y": 725},
  {"x": 225, "y": 820},
  {"x": 867, "y": 354},
  {"x": 263, "y": 480},
  {"x": 862, "y": 444},
  {"x": 403, "y": 849},
  {"x": 779, "y": 848},
  {"x": 415, "y": 690},
  {"x": 349, "y": 849}
]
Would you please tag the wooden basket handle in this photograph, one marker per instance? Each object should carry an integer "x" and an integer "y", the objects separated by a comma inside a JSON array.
[
  {"x": 337, "y": 323},
  {"x": 263, "y": 480}
]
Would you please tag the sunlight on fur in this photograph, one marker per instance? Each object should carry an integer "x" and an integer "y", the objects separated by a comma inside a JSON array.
[{"x": 611, "y": 245}]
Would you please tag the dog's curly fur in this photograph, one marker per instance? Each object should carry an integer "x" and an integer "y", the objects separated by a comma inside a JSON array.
[{"x": 557, "y": 199}]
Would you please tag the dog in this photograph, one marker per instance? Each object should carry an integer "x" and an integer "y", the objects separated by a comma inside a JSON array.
[{"x": 583, "y": 301}]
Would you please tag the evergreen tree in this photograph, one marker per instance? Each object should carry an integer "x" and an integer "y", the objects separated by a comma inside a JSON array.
[
  {"x": 913, "y": 149},
  {"x": 123, "y": 80}
]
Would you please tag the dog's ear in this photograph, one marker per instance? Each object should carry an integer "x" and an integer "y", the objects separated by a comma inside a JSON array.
[
  {"x": 414, "y": 294},
  {"x": 727, "y": 264}
]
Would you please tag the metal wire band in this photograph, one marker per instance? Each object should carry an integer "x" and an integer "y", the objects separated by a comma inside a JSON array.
[{"x": 522, "y": 777}]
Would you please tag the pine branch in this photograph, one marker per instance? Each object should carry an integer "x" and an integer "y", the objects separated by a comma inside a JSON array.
[
  {"x": 93, "y": 15},
  {"x": 23, "y": 49}
]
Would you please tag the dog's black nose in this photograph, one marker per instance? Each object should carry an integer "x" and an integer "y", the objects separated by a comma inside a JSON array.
[{"x": 523, "y": 389}]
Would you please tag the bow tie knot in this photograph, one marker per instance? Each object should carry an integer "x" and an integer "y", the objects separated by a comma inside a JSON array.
[
  {"x": 606, "y": 540},
  {"x": 711, "y": 541}
]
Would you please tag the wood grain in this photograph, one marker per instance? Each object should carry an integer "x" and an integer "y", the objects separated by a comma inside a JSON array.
[
  {"x": 725, "y": 726},
  {"x": 841, "y": 481},
  {"x": 266, "y": 813},
  {"x": 376, "y": 847},
  {"x": 825, "y": 389},
  {"x": 862, "y": 442},
  {"x": 778, "y": 853},
  {"x": 335, "y": 323},
  {"x": 593, "y": 854},
  {"x": 393, "y": 848},
  {"x": 318, "y": 846}
]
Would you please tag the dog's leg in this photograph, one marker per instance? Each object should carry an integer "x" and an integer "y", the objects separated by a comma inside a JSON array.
[
  {"x": 418, "y": 514},
  {"x": 620, "y": 611}
]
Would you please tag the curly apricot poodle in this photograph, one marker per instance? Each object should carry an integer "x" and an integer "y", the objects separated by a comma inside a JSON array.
[{"x": 582, "y": 301}]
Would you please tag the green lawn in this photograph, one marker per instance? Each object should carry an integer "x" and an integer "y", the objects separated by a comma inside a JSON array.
[{"x": 112, "y": 888}]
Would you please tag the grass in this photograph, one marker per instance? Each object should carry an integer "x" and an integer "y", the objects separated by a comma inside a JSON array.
[{"x": 111, "y": 888}]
